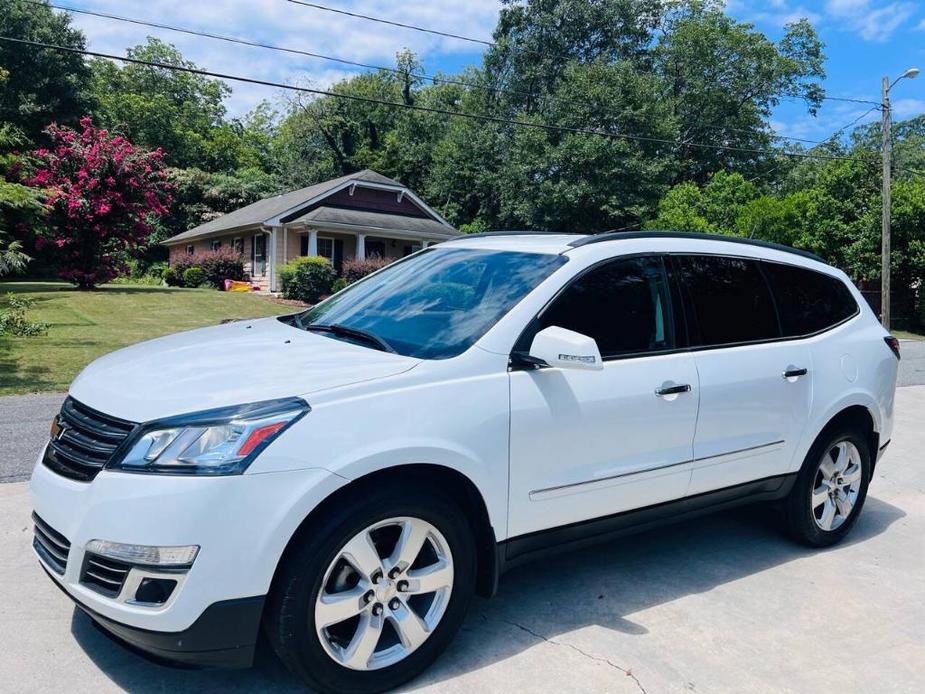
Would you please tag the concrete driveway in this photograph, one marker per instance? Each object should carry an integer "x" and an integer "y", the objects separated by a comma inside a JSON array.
[{"x": 723, "y": 604}]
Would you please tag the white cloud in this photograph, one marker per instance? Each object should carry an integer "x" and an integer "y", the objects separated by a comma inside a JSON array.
[
  {"x": 907, "y": 108},
  {"x": 287, "y": 24},
  {"x": 870, "y": 22}
]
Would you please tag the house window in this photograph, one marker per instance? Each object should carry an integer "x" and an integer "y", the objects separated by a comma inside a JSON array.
[
  {"x": 326, "y": 248},
  {"x": 375, "y": 248},
  {"x": 238, "y": 245},
  {"x": 412, "y": 248},
  {"x": 190, "y": 250},
  {"x": 215, "y": 245}
]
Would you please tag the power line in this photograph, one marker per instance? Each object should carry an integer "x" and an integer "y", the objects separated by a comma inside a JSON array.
[
  {"x": 272, "y": 47},
  {"x": 344, "y": 61},
  {"x": 846, "y": 99},
  {"x": 878, "y": 107},
  {"x": 492, "y": 44},
  {"x": 428, "y": 109},
  {"x": 390, "y": 22}
]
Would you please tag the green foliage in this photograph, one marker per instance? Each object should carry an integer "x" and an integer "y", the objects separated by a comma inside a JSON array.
[
  {"x": 41, "y": 86},
  {"x": 194, "y": 277},
  {"x": 13, "y": 320},
  {"x": 21, "y": 208},
  {"x": 339, "y": 283},
  {"x": 171, "y": 278},
  {"x": 307, "y": 278},
  {"x": 178, "y": 111},
  {"x": 200, "y": 196},
  {"x": 144, "y": 280}
]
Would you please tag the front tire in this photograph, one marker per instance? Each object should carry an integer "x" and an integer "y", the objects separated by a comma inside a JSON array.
[
  {"x": 369, "y": 596},
  {"x": 830, "y": 490}
]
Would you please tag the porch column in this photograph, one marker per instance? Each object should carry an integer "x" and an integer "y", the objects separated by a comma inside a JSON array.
[
  {"x": 271, "y": 259},
  {"x": 313, "y": 242},
  {"x": 425, "y": 244},
  {"x": 361, "y": 246}
]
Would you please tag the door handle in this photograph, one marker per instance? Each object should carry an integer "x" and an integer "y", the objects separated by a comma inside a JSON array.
[
  {"x": 794, "y": 372},
  {"x": 673, "y": 389}
]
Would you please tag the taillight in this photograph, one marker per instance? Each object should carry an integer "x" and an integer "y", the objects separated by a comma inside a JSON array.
[{"x": 893, "y": 344}]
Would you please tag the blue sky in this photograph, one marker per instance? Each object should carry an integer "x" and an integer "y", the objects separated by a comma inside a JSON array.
[{"x": 865, "y": 39}]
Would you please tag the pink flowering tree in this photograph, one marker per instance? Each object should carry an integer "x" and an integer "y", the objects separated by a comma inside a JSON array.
[{"x": 102, "y": 195}]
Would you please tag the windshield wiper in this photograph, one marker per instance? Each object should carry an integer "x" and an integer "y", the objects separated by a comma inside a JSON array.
[{"x": 356, "y": 333}]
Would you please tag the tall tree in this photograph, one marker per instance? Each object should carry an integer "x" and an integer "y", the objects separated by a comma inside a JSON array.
[
  {"x": 177, "y": 111},
  {"x": 722, "y": 79},
  {"x": 41, "y": 85}
]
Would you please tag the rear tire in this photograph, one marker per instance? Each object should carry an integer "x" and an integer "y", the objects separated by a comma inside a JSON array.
[
  {"x": 830, "y": 490},
  {"x": 404, "y": 617}
]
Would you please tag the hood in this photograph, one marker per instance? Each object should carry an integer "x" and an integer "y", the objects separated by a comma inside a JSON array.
[{"x": 232, "y": 364}]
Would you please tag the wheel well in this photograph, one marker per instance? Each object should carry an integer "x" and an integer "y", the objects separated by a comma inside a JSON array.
[
  {"x": 857, "y": 417},
  {"x": 451, "y": 482}
]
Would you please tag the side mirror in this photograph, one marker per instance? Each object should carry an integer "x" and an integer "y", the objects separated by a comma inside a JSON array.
[{"x": 566, "y": 349}]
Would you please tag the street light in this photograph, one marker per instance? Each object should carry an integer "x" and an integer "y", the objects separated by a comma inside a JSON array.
[{"x": 911, "y": 73}]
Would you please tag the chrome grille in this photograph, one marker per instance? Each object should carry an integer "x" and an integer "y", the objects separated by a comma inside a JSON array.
[
  {"x": 85, "y": 441},
  {"x": 51, "y": 545},
  {"x": 104, "y": 575}
]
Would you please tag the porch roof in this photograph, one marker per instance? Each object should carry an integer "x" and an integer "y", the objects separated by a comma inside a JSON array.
[
  {"x": 365, "y": 221},
  {"x": 274, "y": 209}
]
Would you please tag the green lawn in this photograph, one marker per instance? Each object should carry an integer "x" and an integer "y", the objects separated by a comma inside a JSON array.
[{"x": 86, "y": 325}]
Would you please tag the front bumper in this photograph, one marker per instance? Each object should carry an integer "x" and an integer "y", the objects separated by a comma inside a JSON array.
[
  {"x": 225, "y": 635},
  {"x": 242, "y": 524}
]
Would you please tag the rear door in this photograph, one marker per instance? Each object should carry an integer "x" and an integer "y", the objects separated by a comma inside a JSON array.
[
  {"x": 755, "y": 387},
  {"x": 587, "y": 444}
]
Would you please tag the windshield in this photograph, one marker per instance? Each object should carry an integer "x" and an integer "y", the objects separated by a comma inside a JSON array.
[{"x": 433, "y": 305}]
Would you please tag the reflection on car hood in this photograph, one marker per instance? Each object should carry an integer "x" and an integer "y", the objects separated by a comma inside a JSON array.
[{"x": 231, "y": 364}]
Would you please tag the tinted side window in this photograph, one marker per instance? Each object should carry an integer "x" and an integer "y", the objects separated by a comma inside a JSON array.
[
  {"x": 623, "y": 305},
  {"x": 729, "y": 300},
  {"x": 808, "y": 301}
]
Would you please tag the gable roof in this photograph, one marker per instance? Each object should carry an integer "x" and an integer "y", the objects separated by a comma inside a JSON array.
[{"x": 271, "y": 209}]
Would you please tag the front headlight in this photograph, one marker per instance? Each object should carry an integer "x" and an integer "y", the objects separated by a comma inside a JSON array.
[{"x": 215, "y": 442}]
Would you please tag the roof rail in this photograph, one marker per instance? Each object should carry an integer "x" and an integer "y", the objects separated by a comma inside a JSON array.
[
  {"x": 483, "y": 234},
  {"x": 626, "y": 235}
]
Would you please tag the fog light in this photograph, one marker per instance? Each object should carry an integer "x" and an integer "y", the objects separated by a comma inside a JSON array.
[
  {"x": 166, "y": 557},
  {"x": 154, "y": 591}
]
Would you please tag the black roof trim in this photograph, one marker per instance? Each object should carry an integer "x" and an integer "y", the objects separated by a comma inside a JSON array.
[{"x": 626, "y": 235}]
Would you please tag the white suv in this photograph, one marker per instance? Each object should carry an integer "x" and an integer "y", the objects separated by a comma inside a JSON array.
[{"x": 348, "y": 477}]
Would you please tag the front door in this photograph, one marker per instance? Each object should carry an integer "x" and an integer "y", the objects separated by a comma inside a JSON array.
[
  {"x": 587, "y": 444},
  {"x": 259, "y": 261},
  {"x": 755, "y": 389}
]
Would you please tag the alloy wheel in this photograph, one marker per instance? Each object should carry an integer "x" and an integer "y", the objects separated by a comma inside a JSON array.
[
  {"x": 384, "y": 593},
  {"x": 836, "y": 485}
]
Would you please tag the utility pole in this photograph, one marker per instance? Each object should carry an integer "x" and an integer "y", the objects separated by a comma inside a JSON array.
[
  {"x": 885, "y": 218},
  {"x": 911, "y": 73}
]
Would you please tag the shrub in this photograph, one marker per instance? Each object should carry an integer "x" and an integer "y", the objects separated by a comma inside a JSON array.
[
  {"x": 194, "y": 277},
  {"x": 13, "y": 319},
  {"x": 171, "y": 278},
  {"x": 307, "y": 278},
  {"x": 219, "y": 265},
  {"x": 339, "y": 284},
  {"x": 355, "y": 269}
]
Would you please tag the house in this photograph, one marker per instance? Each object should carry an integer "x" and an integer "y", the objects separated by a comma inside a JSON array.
[{"x": 355, "y": 216}]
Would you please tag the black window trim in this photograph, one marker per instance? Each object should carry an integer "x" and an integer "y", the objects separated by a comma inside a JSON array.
[
  {"x": 521, "y": 347},
  {"x": 678, "y": 315}
]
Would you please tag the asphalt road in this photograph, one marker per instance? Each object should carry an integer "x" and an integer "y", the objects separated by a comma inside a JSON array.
[{"x": 721, "y": 604}]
